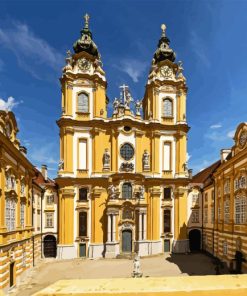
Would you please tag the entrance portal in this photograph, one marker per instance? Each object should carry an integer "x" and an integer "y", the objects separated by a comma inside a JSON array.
[
  {"x": 126, "y": 241},
  {"x": 50, "y": 246},
  {"x": 195, "y": 240}
]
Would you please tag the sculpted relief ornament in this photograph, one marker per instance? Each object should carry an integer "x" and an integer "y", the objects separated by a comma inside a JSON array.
[{"x": 106, "y": 160}]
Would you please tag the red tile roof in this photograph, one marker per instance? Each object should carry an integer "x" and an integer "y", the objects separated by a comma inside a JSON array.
[
  {"x": 40, "y": 180},
  {"x": 205, "y": 176}
]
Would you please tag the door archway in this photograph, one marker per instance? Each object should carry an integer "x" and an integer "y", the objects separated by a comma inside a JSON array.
[
  {"x": 50, "y": 246},
  {"x": 195, "y": 240},
  {"x": 127, "y": 241}
]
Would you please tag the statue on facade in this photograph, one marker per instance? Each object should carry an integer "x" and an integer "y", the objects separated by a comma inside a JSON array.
[
  {"x": 180, "y": 71},
  {"x": 69, "y": 61},
  {"x": 137, "y": 267},
  {"x": 61, "y": 165},
  {"x": 142, "y": 191},
  {"x": 116, "y": 104},
  {"x": 145, "y": 161},
  {"x": 106, "y": 159},
  {"x": 138, "y": 105},
  {"x": 112, "y": 192},
  {"x": 128, "y": 100}
]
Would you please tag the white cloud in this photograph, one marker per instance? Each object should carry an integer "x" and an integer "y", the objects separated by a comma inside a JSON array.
[
  {"x": 217, "y": 125},
  {"x": 132, "y": 67},
  {"x": 43, "y": 154},
  {"x": 198, "y": 47},
  {"x": 231, "y": 134},
  {"x": 188, "y": 156},
  {"x": 31, "y": 51},
  {"x": 9, "y": 104}
]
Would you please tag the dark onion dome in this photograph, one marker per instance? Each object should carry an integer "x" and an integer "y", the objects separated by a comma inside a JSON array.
[
  {"x": 164, "y": 52},
  {"x": 85, "y": 42}
]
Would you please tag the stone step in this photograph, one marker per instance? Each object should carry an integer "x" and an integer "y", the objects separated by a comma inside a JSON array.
[{"x": 130, "y": 256}]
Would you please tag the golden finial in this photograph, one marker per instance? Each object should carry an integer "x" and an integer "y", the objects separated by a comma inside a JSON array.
[
  {"x": 163, "y": 28},
  {"x": 86, "y": 18}
]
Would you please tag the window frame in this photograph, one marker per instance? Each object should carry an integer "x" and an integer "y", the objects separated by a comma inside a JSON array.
[
  {"x": 167, "y": 225},
  {"x": 128, "y": 191},
  {"x": 49, "y": 220},
  {"x": 82, "y": 229},
  {"x": 79, "y": 193},
  {"x": 124, "y": 156}
]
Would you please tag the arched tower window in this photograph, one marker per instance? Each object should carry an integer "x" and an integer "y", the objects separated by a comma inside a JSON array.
[
  {"x": 127, "y": 191},
  {"x": 83, "y": 103},
  {"x": 167, "y": 108}
]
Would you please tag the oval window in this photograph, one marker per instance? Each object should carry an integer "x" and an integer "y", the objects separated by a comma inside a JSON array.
[{"x": 127, "y": 151}]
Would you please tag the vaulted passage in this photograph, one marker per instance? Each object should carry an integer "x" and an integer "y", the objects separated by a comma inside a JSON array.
[
  {"x": 50, "y": 246},
  {"x": 195, "y": 240}
]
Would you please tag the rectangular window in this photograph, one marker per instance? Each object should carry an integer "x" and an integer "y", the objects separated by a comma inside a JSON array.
[
  {"x": 212, "y": 215},
  {"x": 167, "y": 221},
  {"x": 205, "y": 215},
  {"x": 226, "y": 211},
  {"x": 49, "y": 220},
  {"x": 206, "y": 197},
  {"x": 82, "y": 155},
  {"x": 50, "y": 199},
  {"x": 225, "y": 248},
  {"x": 82, "y": 224},
  {"x": 195, "y": 216},
  {"x": 10, "y": 208},
  {"x": 22, "y": 216},
  {"x": 195, "y": 200},
  {"x": 167, "y": 193},
  {"x": 83, "y": 103},
  {"x": 167, "y": 157},
  {"x": 127, "y": 191},
  {"x": 240, "y": 210},
  {"x": 83, "y": 194}
]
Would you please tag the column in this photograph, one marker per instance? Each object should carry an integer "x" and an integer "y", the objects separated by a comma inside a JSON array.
[
  {"x": 145, "y": 226},
  {"x": 113, "y": 227},
  {"x": 140, "y": 227},
  {"x": 108, "y": 228}
]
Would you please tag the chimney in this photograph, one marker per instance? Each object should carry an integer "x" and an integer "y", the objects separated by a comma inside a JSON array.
[
  {"x": 224, "y": 153},
  {"x": 190, "y": 173},
  {"x": 44, "y": 171}
]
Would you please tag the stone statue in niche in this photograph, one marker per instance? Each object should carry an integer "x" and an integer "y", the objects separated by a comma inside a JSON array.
[
  {"x": 112, "y": 192},
  {"x": 138, "y": 105},
  {"x": 127, "y": 214},
  {"x": 145, "y": 161},
  {"x": 106, "y": 159}
]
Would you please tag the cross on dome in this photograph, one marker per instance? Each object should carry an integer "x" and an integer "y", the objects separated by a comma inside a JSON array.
[
  {"x": 163, "y": 28},
  {"x": 86, "y": 18}
]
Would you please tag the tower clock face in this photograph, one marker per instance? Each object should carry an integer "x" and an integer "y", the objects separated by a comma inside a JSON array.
[
  {"x": 84, "y": 64},
  {"x": 166, "y": 72},
  {"x": 243, "y": 138}
]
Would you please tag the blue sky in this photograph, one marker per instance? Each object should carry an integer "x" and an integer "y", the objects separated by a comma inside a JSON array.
[{"x": 208, "y": 36}]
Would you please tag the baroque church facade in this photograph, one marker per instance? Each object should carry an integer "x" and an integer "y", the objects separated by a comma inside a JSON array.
[{"x": 123, "y": 178}]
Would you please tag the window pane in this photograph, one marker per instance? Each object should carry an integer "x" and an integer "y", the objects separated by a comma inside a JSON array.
[
  {"x": 126, "y": 151},
  {"x": 167, "y": 108},
  {"x": 83, "y": 103},
  {"x": 167, "y": 193},
  {"x": 82, "y": 224},
  {"x": 167, "y": 221},
  {"x": 83, "y": 194},
  {"x": 127, "y": 190}
]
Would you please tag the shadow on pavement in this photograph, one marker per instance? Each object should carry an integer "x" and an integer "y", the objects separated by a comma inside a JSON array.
[{"x": 197, "y": 264}]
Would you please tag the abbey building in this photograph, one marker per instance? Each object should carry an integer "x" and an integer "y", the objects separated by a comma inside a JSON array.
[{"x": 123, "y": 176}]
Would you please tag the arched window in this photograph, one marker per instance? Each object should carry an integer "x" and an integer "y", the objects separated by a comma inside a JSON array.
[
  {"x": 83, "y": 103},
  {"x": 127, "y": 191},
  {"x": 167, "y": 108}
]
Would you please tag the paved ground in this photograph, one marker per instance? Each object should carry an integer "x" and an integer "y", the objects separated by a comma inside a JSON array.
[{"x": 51, "y": 270}]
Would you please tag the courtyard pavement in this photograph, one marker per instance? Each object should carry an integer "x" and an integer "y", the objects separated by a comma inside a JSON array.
[{"x": 49, "y": 271}]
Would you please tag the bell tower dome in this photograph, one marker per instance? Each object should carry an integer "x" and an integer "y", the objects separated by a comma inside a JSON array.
[
  {"x": 166, "y": 89},
  {"x": 83, "y": 80}
]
